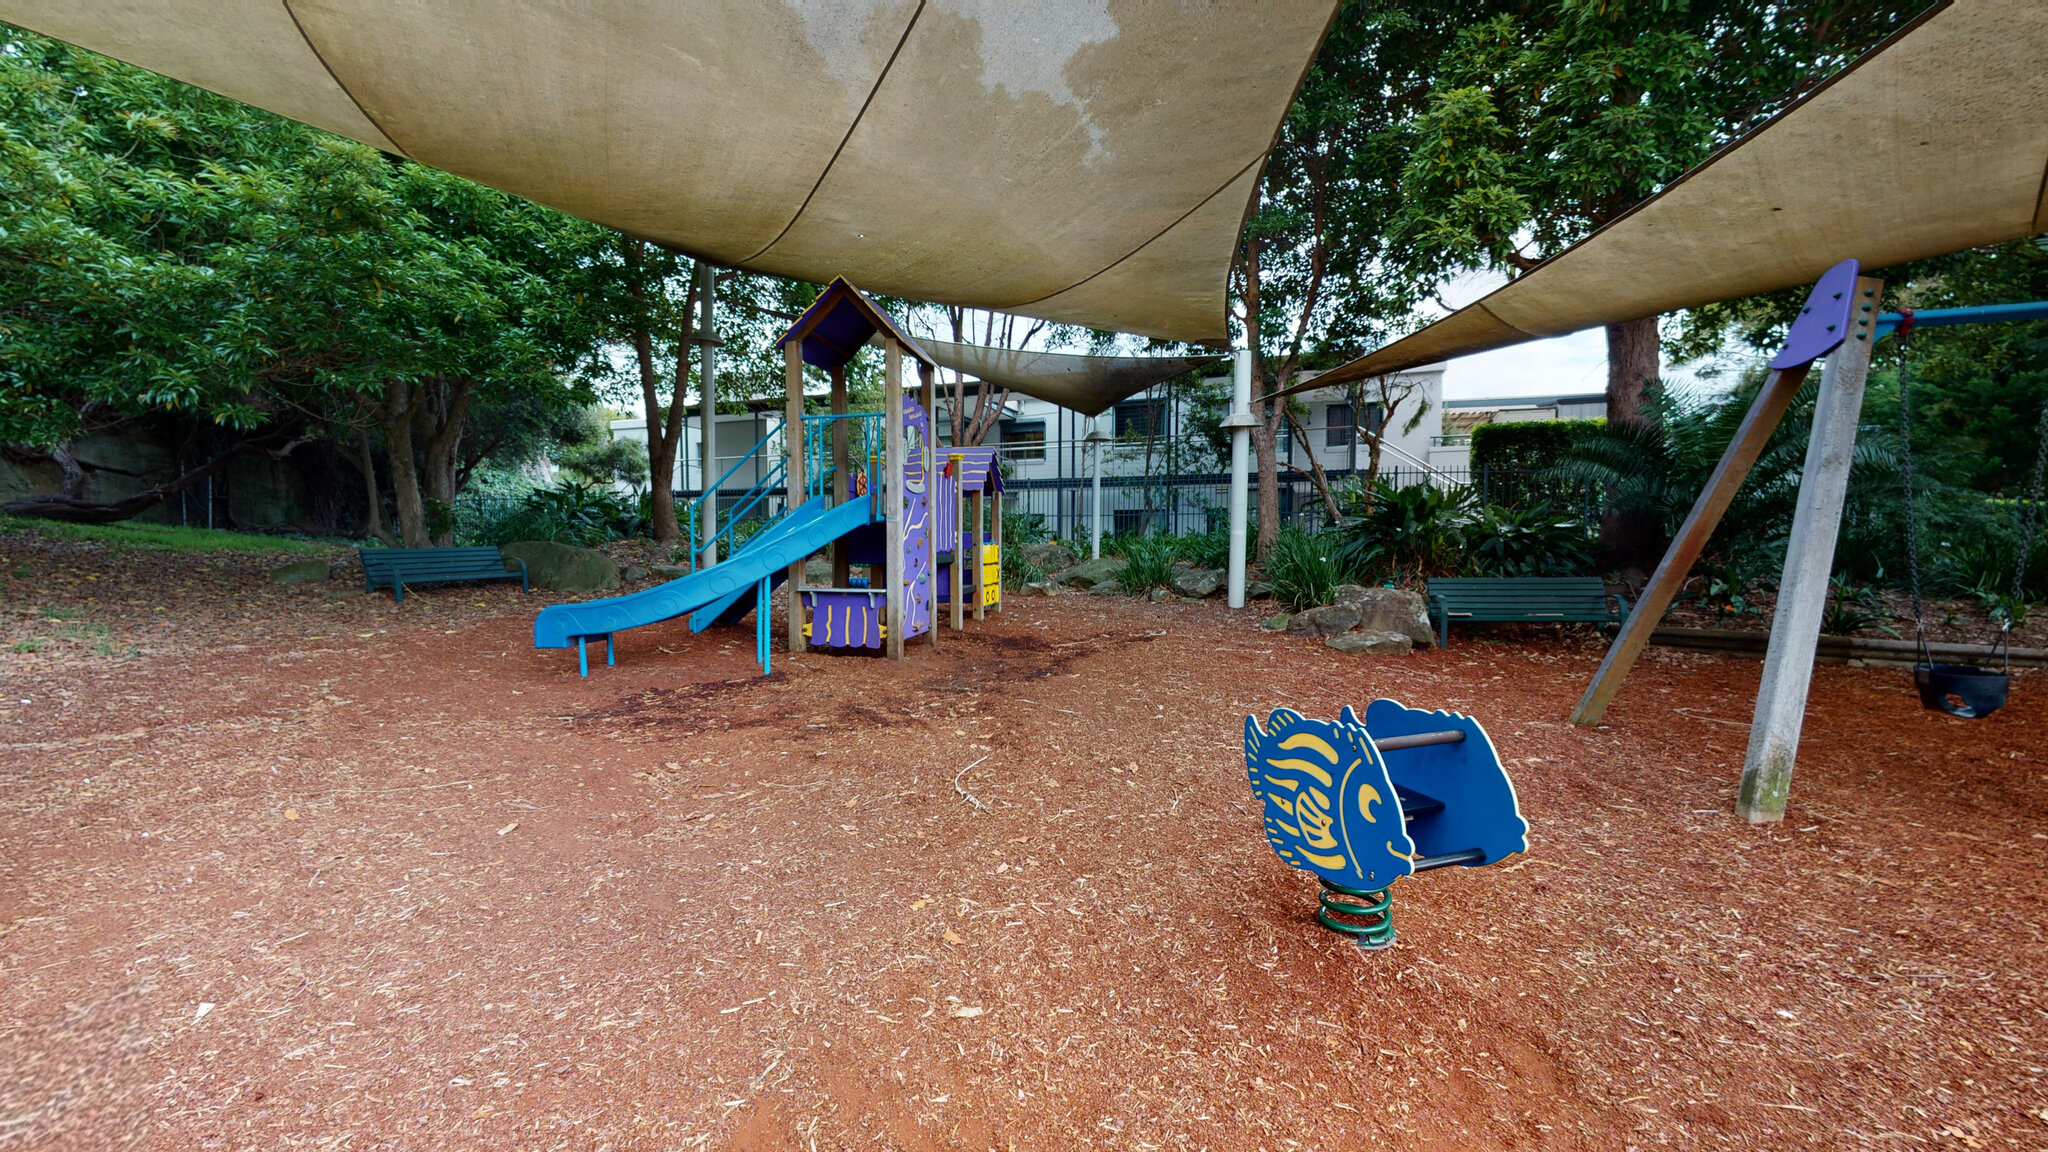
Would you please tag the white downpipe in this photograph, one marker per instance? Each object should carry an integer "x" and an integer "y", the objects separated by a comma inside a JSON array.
[{"x": 1240, "y": 468}]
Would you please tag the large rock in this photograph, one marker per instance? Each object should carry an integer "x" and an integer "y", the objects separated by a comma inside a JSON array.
[
  {"x": 563, "y": 567},
  {"x": 1258, "y": 590},
  {"x": 1277, "y": 623},
  {"x": 1041, "y": 588},
  {"x": 1199, "y": 583},
  {"x": 1047, "y": 556},
  {"x": 1109, "y": 587},
  {"x": 669, "y": 571},
  {"x": 1328, "y": 620},
  {"x": 1089, "y": 573},
  {"x": 303, "y": 572},
  {"x": 1371, "y": 643},
  {"x": 1390, "y": 610}
]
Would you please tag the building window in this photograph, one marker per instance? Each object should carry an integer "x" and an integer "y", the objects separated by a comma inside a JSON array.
[
  {"x": 1140, "y": 419},
  {"x": 1339, "y": 426},
  {"x": 1024, "y": 439}
]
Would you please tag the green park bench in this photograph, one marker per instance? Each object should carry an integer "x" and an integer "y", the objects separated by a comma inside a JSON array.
[
  {"x": 1522, "y": 600},
  {"x": 397, "y": 567}
]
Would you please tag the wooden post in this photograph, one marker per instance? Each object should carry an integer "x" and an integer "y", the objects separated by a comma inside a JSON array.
[
  {"x": 959, "y": 549},
  {"x": 1809, "y": 561},
  {"x": 707, "y": 410},
  {"x": 980, "y": 506},
  {"x": 841, "y": 482},
  {"x": 927, "y": 396},
  {"x": 893, "y": 570},
  {"x": 1764, "y": 413},
  {"x": 793, "y": 479}
]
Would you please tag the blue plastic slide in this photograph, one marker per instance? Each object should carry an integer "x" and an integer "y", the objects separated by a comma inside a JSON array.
[{"x": 791, "y": 538}]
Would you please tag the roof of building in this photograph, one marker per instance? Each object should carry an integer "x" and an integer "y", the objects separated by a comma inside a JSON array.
[{"x": 1529, "y": 401}]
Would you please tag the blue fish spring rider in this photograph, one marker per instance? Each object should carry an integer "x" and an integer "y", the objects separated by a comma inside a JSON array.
[{"x": 1362, "y": 804}]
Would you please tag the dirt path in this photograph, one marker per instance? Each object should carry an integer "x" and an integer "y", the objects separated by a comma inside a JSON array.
[{"x": 330, "y": 873}]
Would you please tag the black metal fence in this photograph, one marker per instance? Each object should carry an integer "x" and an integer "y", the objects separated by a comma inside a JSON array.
[{"x": 1183, "y": 505}]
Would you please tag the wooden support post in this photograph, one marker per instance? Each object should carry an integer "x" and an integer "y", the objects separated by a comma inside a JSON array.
[
  {"x": 894, "y": 571},
  {"x": 1809, "y": 561},
  {"x": 793, "y": 481},
  {"x": 959, "y": 542},
  {"x": 980, "y": 506},
  {"x": 1764, "y": 413},
  {"x": 841, "y": 482},
  {"x": 927, "y": 396}
]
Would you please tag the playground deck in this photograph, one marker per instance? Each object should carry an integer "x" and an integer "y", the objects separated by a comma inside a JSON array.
[{"x": 439, "y": 892}]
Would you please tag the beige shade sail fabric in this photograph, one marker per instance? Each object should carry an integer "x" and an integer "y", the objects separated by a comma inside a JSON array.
[
  {"x": 1085, "y": 161},
  {"x": 1090, "y": 385},
  {"x": 1934, "y": 142}
]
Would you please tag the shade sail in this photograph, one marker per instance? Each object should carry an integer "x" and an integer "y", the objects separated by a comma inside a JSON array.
[
  {"x": 1087, "y": 161},
  {"x": 1089, "y": 385},
  {"x": 1934, "y": 142}
]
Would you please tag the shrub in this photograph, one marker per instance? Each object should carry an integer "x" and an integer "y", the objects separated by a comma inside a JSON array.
[
  {"x": 1530, "y": 542},
  {"x": 1303, "y": 568},
  {"x": 1527, "y": 446},
  {"x": 1022, "y": 527},
  {"x": 570, "y": 514},
  {"x": 1205, "y": 549},
  {"x": 1148, "y": 564},
  {"x": 1416, "y": 531}
]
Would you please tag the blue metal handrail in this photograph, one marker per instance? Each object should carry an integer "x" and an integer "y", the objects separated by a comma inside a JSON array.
[
  {"x": 746, "y": 501},
  {"x": 864, "y": 450}
]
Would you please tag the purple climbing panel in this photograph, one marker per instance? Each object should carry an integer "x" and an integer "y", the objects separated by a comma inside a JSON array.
[
  {"x": 845, "y": 617},
  {"x": 917, "y": 523},
  {"x": 1824, "y": 323}
]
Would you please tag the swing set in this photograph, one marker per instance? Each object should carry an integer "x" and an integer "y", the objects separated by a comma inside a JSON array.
[
  {"x": 1839, "y": 327},
  {"x": 1964, "y": 690}
]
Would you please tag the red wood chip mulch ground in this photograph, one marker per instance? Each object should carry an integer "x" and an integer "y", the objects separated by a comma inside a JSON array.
[{"x": 297, "y": 868}]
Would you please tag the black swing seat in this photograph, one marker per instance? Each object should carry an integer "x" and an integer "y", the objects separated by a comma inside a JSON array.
[{"x": 1963, "y": 690}]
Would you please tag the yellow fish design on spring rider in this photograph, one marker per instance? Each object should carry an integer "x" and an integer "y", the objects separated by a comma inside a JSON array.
[{"x": 1330, "y": 805}]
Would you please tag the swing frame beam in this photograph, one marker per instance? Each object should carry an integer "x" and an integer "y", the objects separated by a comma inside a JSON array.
[{"x": 1809, "y": 554}]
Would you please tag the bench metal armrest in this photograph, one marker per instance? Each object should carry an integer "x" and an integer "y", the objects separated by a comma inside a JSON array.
[{"x": 523, "y": 585}]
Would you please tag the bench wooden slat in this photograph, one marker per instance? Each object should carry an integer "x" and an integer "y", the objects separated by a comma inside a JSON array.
[
  {"x": 397, "y": 567},
  {"x": 1533, "y": 599}
]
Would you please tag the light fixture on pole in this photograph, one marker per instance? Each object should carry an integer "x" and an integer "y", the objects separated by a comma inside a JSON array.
[{"x": 1098, "y": 438}]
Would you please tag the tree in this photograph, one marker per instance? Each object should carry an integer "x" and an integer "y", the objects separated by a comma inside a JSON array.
[
  {"x": 1546, "y": 121},
  {"x": 170, "y": 251},
  {"x": 1310, "y": 281}
]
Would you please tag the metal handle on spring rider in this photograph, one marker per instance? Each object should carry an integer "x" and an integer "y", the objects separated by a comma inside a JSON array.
[
  {"x": 1420, "y": 740},
  {"x": 1424, "y": 740}
]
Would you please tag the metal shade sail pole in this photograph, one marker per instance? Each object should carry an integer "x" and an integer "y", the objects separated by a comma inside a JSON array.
[
  {"x": 1809, "y": 561},
  {"x": 1240, "y": 424},
  {"x": 1098, "y": 440}
]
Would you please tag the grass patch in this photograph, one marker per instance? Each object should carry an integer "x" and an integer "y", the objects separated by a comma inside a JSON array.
[{"x": 159, "y": 537}]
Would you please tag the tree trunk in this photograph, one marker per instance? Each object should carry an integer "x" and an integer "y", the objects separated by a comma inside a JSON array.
[
  {"x": 395, "y": 416},
  {"x": 1634, "y": 359},
  {"x": 366, "y": 463},
  {"x": 441, "y": 419},
  {"x": 1631, "y": 539},
  {"x": 1322, "y": 482}
]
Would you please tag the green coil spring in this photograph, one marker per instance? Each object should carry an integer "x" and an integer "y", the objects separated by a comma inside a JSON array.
[{"x": 1368, "y": 912}]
